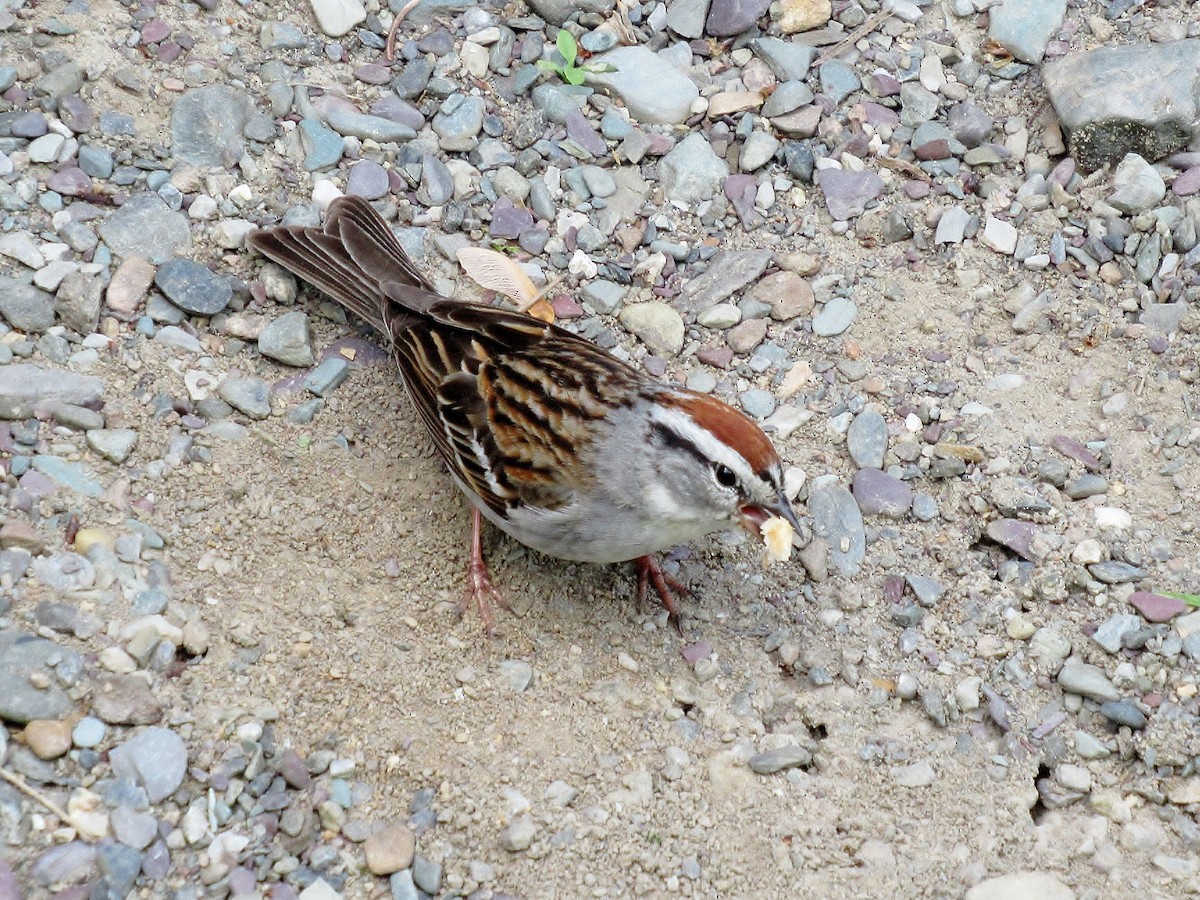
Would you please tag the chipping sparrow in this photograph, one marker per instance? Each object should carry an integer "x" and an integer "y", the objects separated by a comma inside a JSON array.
[{"x": 559, "y": 444}]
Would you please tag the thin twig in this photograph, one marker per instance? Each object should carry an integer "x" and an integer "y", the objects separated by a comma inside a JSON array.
[
  {"x": 389, "y": 52},
  {"x": 862, "y": 30},
  {"x": 19, "y": 783}
]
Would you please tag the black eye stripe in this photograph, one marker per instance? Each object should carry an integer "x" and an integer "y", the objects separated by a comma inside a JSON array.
[{"x": 672, "y": 438}]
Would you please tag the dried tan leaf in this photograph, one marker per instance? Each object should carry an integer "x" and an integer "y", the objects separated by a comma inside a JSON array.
[
  {"x": 542, "y": 310},
  {"x": 497, "y": 272}
]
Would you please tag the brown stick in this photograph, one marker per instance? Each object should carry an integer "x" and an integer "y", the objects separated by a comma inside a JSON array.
[{"x": 389, "y": 52}]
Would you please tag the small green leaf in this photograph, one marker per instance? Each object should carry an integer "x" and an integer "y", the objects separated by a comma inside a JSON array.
[
  {"x": 546, "y": 66},
  {"x": 599, "y": 68},
  {"x": 1189, "y": 599},
  {"x": 567, "y": 47},
  {"x": 573, "y": 75}
]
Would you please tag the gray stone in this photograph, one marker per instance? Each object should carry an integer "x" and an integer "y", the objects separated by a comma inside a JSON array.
[
  {"x": 727, "y": 273},
  {"x": 77, "y": 302},
  {"x": 287, "y": 340},
  {"x": 654, "y": 91},
  {"x": 154, "y": 758},
  {"x": 1138, "y": 185},
  {"x": 917, "y": 104},
  {"x": 789, "y": 60},
  {"x": 772, "y": 761},
  {"x": 656, "y": 324},
  {"x": 1142, "y": 98},
  {"x": 70, "y": 475},
  {"x": 969, "y": 124},
  {"x": 328, "y": 376},
  {"x": 192, "y": 287},
  {"x": 691, "y": 171},
  {"x": 603, "y": 296},
  {"x": 1086, "y": 680},
  {"x": 838, "y": 521},
  {"x": 686, "y": 17},
  {"x": 145, "y": 226},
  {"x": 114, "y": 444},
  {"x": 1115, "y": 572},
  {"x": 26, "y": 660},
  {"x": 757, "y": 151},
  {"x": 323, "y": 147},
  {"x": 757, "y": 403},
  {"x": 132, "y": 828},
  {"x": 437, "y": 184},
  {"x": 835, "y": 317},
  {"x": 867, "y": 439},
  {"x": 251, "y": 396},
  {"x": 207, "y": 123},
  {"x": 1024, "y": 27},
  {"x": 838, "y": 80},
  {"x": 459, "y": 121},
  {"x": 1113, "y": 629},
  {"x": 368, "y": 127},
  {"x": 25, "y": 386},
  {"x": 26, "y": 307},
  {"x": 1124, "y": 712},
  {"x": 788, "y": 96},
  {"x": 952, "y": 226}
]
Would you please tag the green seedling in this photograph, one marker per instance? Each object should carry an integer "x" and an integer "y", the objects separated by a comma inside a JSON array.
[
  {"x": 568, "y": 71},
  {"x": 1189, "y": 599}
]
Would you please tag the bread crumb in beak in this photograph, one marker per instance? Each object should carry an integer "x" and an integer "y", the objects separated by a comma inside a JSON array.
[{"x": 777, "y": 535}]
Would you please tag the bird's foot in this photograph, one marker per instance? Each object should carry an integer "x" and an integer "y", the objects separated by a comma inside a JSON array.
[
  {"x": 650, "y": 572},
  {"x": 480, "y": 591}
]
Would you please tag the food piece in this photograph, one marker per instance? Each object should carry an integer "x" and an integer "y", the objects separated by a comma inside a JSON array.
[{"x": 777, "y": 535}]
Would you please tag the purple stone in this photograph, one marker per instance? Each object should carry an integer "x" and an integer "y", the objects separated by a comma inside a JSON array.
[
  {"x": 373, "y": 73},
  {"x": 70, "y": 182},
  {"x": 884, "y": 85},
  {"x": 1073, "y": 449},
  {"x": 1187, "y": 183},
  {"x": 367, "y": 179},
  {"x": 916, "y": 190},
  {"x": 29, "y": 125},
  {"x": 729, "y": 17},
  {"x": 75, "y": 113},
  {"x": 1155, "y": 607},
  {"x": 741, "y": 191},
  {"x": 565, "y": 307},
  {"x": 64, "y": 863},
  {"x": 397, "y": 109},
  {"x": 938, "y": 148},
  {"x": 880, "y": 115},
  {"x": 693, "y": 653},
  {"x": 580, "y": 130},
  {"x": 1014, "y": 534},
  {"x": 880, "y": 494},
  {"x": 242, "y": 882},
  {"x": 509, "y": 221},
  {"x": 848, "y": 193},
  {"x": 154, "y": 31}
]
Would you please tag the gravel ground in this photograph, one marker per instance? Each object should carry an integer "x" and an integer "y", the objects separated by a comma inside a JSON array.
[{"x": 946, "y": 251}]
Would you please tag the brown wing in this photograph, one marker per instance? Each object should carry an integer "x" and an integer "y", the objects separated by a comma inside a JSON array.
[
  {"x": 513, "y": 397},
  {"x": 504, "y": 396}
]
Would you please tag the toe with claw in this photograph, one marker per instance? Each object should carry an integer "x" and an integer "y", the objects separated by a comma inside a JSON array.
[{"x": 650, "y": 572}]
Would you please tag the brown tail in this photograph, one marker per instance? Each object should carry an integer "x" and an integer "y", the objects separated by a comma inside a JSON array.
[{"x": 355, "y": 259}]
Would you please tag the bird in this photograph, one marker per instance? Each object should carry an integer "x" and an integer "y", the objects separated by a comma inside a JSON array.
[{"x": 555, "y": 441}]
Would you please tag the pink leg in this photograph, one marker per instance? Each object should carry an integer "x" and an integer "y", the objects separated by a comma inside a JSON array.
[
  {"x": 649, "y": 571},
  {"x": 480, "y": 590}
]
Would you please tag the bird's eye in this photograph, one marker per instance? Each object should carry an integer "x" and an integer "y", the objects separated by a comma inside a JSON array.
[{"x": 724, "y": 475}]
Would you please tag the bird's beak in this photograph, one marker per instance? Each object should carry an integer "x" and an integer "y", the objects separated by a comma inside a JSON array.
[{"x": 752, "y": 516}]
